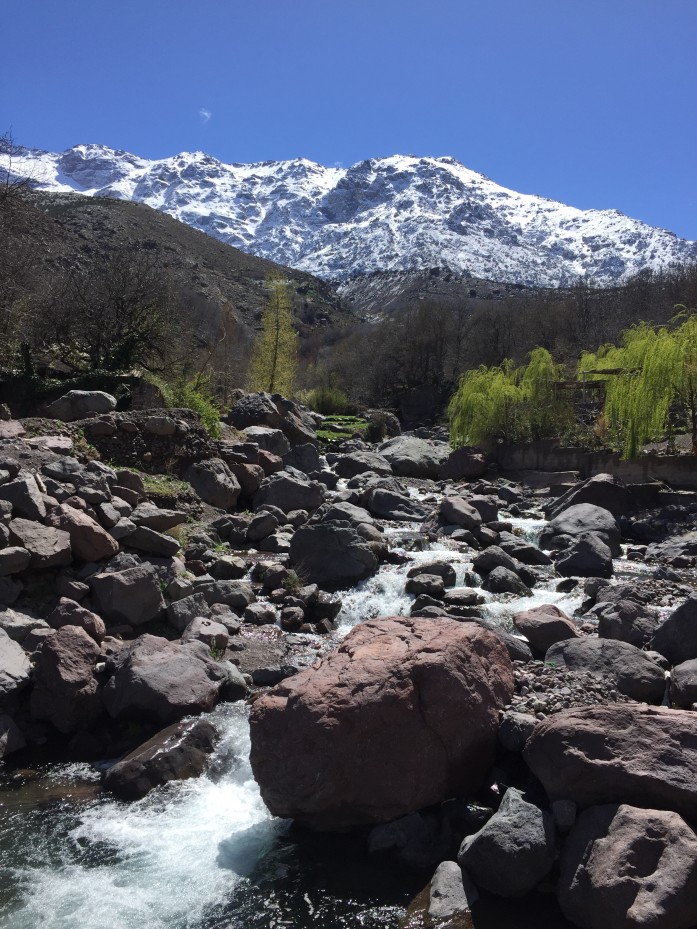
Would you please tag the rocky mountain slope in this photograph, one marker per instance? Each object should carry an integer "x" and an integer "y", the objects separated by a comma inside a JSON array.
[
  {"x": 400, "y": 213},
  {"x": 62, "y": 231}
]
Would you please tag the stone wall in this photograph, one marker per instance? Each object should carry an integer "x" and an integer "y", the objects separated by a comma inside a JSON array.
[{"x": 675, "y": 470}]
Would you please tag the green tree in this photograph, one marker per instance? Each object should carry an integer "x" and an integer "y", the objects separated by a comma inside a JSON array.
[
  {"x": 504, "y": 403},
  {"x": 274, "y": 362},
  {"x": 650, "y": 375}
]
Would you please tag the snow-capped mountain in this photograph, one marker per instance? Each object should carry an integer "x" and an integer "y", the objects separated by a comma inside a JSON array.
[{"x": 386, "y": 214}]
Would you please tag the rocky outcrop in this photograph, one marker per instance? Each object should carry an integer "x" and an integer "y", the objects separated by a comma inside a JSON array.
[{"x": 404, "y": 714}]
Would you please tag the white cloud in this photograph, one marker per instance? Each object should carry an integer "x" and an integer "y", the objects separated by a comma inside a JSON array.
[{"x": 205, "y": 115}]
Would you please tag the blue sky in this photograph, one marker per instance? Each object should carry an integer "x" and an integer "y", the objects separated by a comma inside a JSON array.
[{"x": 591, "y": 102}]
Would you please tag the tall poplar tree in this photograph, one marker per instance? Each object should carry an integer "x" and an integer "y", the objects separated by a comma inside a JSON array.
[{"x": 274, "y": 361}]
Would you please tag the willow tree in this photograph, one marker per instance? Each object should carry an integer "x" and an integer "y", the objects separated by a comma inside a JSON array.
[
  {"x": 274, "y": 360},
  {"x": 504, "y": 403},
  {"x": 650, "y": 375}
]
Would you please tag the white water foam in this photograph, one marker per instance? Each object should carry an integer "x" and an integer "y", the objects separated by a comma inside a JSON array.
[{"x": 164, "y": 862}]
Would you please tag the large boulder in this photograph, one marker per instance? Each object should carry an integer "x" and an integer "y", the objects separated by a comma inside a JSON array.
[
  {"x": 624, "y": 753},
  {"x": 412, "y": 457},
  {"x": 271, "y": 440},
  {"x": 603, "y": 490},
  {"x": 629, "y": 868},
  {"x": 676, "y": 637},
  {"x": 626, "y": 621},
  {"x": 162, "y": 681},
  {"x": 683, "y": 684},
  {"x": 578, "y": 520},
  {"x": 66, "y": 690},
  {"x": 634, "y": 673},
  {"x": 214, "y": 483},
  {"x": 513, "y": 851},
  {"x": 403, "y": 715},
  {"x": 289, "y": 490},
  {"x": 457, "y": 511},
  {"x": 587, "y": 556},
  {"x": 389, "y": 504},
  {"x": 131, "y": 596},
  {"x": 467, "y": 463},
  {"x": 349, "y": 466},
  {"x": 79, "y": 404},
  {"x": 331, "y": 554},
  {"x": 178, "y": 752}
]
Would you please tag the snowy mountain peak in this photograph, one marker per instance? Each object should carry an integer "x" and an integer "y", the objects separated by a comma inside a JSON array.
[{"x": 399, "y": 213}]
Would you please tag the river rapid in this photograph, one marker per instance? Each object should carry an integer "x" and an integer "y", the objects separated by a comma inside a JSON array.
[{"x": 206, "y": 853}]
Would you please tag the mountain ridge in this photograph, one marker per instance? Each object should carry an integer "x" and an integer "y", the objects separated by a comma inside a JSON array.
[{"x": 399, "y": 213}]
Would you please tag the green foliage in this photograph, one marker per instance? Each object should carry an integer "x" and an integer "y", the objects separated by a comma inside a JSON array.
[
  {"x": 274, "y": 362},
  {"x": 326, "y": 400},
  {"x": 508, "y": 404},
  {"x": 651, "y": 373},
  {"x": 190, "y": 395}
]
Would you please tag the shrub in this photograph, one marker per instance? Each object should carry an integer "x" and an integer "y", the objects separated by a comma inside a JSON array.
[
  {"x": 190, "y": 395},
  {"x": 327, "y": 400}
]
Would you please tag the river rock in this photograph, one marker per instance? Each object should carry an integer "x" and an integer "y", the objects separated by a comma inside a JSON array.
[
  {"x": 15, "y": 670},
  {"x": 458, "y": 512},
  {"x": 580, "y": 519},
  {"x": 214, "y": 483},
  {"x": 388, "y": 504},
  {"x": 88, "y": 540},
  {"x": 422, "y": 698},
  {"x": 627, "y": 621},
  {"x": 24, "y": 495},
  {"x": 629, "y": 868},
  {"x": 646, "y": 756},
  {"x": 504, "y": 581},
  {"x": 544, "y": 626},
  {"x": 467, "y": 463},
  {"x": 587, "y": 556},
  {"x": 332, "y": 555},
  {"x": 683, "y": 684},
  {"x": 513, "y": 851},
  {"x": 349, "y": 466},
  {"x": 602, "y": 490},
  {"x": 131, "y": 596},
  {"x": 452, "y": 895},
  {"x": 13, "y": 559},
  {"x": 271, "y": 440},
  {"x": 289, "y": 490},
  {"x": 176, "y": 753},
  {"x": 676, "y": 637},
  {"x": 634, "y": 673},
  {"x": 162, "y": 681},
  {"x": 11, "y": 737},
  {"x": 412, "y": 457},
  {"x": 66, "y": 690},
  {"x": 70, "y": 613}
]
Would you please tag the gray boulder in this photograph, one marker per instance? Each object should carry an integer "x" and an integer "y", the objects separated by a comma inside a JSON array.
[
  {"x": 513, "y": 851},
  {"x": 79, "y": 404},
  {"x": 412, "y": 457},
  {"x": 578, "y": 520},
  {"x": 349, "y": 466},
  {"x": 271, "y": 440},
  {"x": 634, "y": 673},
  {"x": 289, "y": 490},
  {"x": 603, "y": 490},
  {"x": 388, "y": 504},
  {"x": 162, "y": 681},
  {"x": 332, "y": 555},
  {"x": 676, "y": 637},
  {"x": 11, "y": 738},
  {"x": 132, "y": 596},
  {"x": 24, "y": 495},
  {"x": 15, "y": 670},
  {"x": 504, "y": 581},
  {"x": 457, "y": 511},
  {"x": 683, "y": 684},
  {"x": 214, "y": 483},
  {"x": 176, "y": 753},
  {"x": 588, "y": 556}
]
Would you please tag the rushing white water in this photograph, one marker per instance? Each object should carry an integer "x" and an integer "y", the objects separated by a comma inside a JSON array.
[{"x": 160, "y": 863}]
